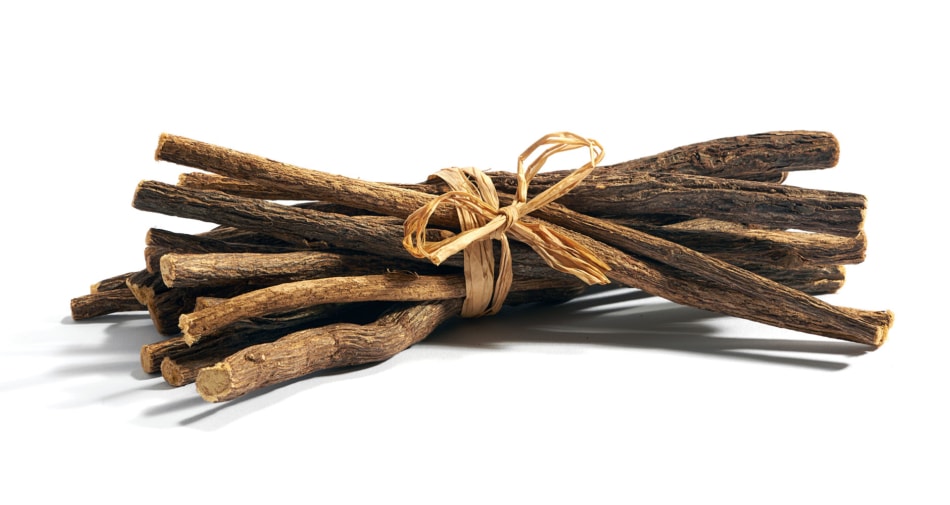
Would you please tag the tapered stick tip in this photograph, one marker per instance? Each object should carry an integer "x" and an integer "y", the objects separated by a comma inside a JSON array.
[{"x": 214, "y": 382}]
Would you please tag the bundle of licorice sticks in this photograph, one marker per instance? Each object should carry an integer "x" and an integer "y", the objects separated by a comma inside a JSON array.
[{"x": 277, "y": 291}]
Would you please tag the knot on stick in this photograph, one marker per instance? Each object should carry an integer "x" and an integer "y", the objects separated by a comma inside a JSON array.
[{"x": 482, "y": 219}]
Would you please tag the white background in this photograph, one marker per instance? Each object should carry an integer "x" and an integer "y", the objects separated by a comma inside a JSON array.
[{"x": 636, "y": 400}]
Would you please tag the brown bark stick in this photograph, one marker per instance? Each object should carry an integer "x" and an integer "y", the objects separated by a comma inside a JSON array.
[
  {"x": 252, "y": 331},
  {"x": 114, "y": 282},
  {"x": 764, "y": 204},
  {"x": 104, "y": 302},
  {"x": 323, "y": 348},
  {"x": 248, "y": 242},
  {"x": 754, "y": 302},
  {"x": 759, "y": 157},
  {"x": 164, "y": 305},
  {"x": 301, "y": 294},
  {"x": 216, "y": 269},
  {"x": 741, "y": 245},
  {"x": 364, "y": 233},
  {"x": 240, "y": 236},
  {"x": 181, "y": 366},
  {"x": 812, "y": 280}
]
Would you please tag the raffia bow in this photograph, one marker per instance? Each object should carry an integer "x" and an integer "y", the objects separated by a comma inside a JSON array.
[{"x": 481, "y": 219}]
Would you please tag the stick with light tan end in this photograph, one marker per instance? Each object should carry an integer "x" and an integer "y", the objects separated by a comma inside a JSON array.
[
  {"x": 316, "y": 349},
  {"x": 396, "y": 287}
]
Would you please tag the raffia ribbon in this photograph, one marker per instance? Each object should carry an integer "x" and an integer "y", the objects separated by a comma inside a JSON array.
[{"x": 481, "y": 219}]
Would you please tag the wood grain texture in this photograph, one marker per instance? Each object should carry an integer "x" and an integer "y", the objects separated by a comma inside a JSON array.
[
  {"x": 243, "y": 333},
  {"x": 298, "y": 295},
  {"x": 663, "y": 269},
  {"x": 640, "y": 194},
  {"x": 316, "y": 349},
  {"x": 759, "y": 157},
  {"x": 104, "y": 302},
  {"x": 218, "y": 269},
  {"x": 731, "y": 240}
]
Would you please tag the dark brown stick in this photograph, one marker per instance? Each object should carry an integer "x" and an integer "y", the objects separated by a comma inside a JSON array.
[
  {"x": 250, "y": 242},
  {"x": 812, "y": 280},
  {"x": 380, "y": 235},
  {"x": 741, "y": 245},
  {"x": 759, "y": 157},
  {"x": 649, "y": 194},
  {"x": 102, "y": 303},
  {"x": 114, "y": 282},
  {"x": 765, "y": 204},
  {"x": 719, "y": 238}
]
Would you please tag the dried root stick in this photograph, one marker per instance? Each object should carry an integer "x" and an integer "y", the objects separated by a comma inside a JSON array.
[{"x": 308, "y": 351}]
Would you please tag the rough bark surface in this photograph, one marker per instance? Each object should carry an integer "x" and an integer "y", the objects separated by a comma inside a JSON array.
[
  {"x": 759, "y": 157},
  {"x": 795, "y": 310},
  {"x": 104, "y": 302},
  {"x": 741, "y": 245},
  {"x": 302, "y": 294},
  {"x": 650, "y": 194},
  {"x": 217, "y": 269},
  {"x": 278, "y": 291},
  {"x": 313, "y": 350}
]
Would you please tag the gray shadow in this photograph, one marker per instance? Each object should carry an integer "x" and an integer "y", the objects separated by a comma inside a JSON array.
[
  {"x": 615, "y": 319},
  {"x": 621, "y": 318}
]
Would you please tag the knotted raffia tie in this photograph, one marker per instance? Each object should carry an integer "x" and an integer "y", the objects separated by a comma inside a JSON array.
[{"x": 481, "y": 219}]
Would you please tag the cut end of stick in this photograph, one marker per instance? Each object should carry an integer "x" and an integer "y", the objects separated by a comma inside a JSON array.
[
  {"x": 76, "y": 308},
  {"x": 166, "y": 266},
  {"x": 184, "y": 323},
  {"x": 161, "y": 144},
  {"x": 835, "y": 152},
  {"x": 172, "y": 373},
  {"x": 214, "y": 382},
  {"x": 147, "y": 360},
  {"x": 864, "y": 216},
  {"x": 882, "y": 332}
]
